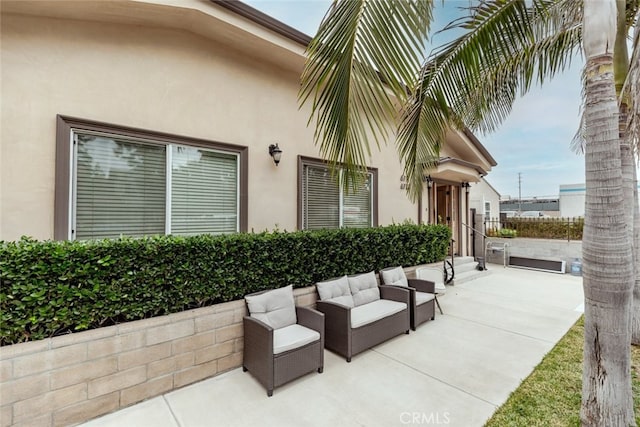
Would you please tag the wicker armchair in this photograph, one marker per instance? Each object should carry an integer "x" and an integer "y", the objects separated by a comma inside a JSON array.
[
  {"x": 422, "y": 294},
  {"x": 278, "y": 347},
  {"x": 347, "y": 333}
]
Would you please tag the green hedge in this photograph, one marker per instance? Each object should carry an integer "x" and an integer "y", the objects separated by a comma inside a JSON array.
[
  {"x": 541, "y": 228},
  {"x": 50, "y": 288}
]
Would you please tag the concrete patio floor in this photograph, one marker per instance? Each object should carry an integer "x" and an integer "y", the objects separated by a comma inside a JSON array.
[{"x": 454, "y": 371}]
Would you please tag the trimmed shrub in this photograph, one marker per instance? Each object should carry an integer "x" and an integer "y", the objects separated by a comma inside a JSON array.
[
  {"x": 541, "y": 228},
  {"x": 502, "y": 232},
  {"x": 55, "y": 287},
  {"x": 547, "y": 228}
]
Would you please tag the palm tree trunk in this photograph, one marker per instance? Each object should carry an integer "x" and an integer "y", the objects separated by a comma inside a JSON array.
[
  {"x": 629, "y": 174},
  {"x": 630, "y": 196},
  {"x": 608, "y": 272},
  {"x": 635, "y": 310},
  {"x": 633, "y": 91}
]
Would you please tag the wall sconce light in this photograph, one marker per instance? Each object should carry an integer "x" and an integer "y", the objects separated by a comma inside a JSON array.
[
  {"x": 428, "y": 180},
  {"x": 276, "y": 153},
  {"x": 466, "y": 186}
]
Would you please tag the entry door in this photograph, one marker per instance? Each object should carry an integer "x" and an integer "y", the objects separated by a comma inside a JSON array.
[
  {"x": 449, "y": 211},
  {"x": 444, "y": 205}
]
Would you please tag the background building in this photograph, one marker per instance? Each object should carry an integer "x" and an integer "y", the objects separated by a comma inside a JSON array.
[
  {"x": 547, "y": 206},
  {"x": 572, "y": 197}
]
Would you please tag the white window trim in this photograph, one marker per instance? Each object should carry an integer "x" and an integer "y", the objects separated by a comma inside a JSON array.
[{"x": 484, "y": 205}]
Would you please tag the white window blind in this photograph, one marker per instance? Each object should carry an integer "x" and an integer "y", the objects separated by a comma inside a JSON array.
[
  {"x": 321, "y": 198},
  {"x": 356, "y": 210},
  {"x": 124, "y": 187},
  {"x": 204, "y": 191},
  {"x": 120, "y": 188},
  {"x": 325, "y": 205}
]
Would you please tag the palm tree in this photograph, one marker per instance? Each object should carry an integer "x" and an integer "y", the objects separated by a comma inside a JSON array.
[
  {"x": 608, "y": 273},
  {"x": 363, "y": 70}
]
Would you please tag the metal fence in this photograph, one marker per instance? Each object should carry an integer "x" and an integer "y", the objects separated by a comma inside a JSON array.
[{"x": 542, "y": 228}]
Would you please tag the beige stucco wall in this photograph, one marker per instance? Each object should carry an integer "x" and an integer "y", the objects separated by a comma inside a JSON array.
[{"x": 157, "y": 79}]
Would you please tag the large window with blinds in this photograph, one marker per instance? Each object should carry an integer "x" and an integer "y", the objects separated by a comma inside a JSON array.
[
  {"x": 325, "y": 204},
  {"x": 138, "y": 184}
]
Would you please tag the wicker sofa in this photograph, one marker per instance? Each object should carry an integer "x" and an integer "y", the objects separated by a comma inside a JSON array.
[
  {"x": 281, "y": 342},
  {"x": 422, "y": 294},
  {"x": 359, "y": 314}
]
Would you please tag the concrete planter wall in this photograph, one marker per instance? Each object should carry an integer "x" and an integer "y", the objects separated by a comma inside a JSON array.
[
  {"x": 73, "y": 378},
  {"x": 548, "y": 249}
]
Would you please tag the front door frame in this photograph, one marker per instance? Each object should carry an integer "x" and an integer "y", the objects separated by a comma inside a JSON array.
[{"x": 447, "y": 205}]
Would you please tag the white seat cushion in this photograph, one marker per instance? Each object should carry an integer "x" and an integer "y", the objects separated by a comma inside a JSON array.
[
  {"x": 422, "y": 297},
  {"x": 293, "y": 336},
  {"x": 276, "y": 308},
  {"x": 336, "y": 290},
  {"x": 395, "y": 277},
  {"x": 364, "y": 288},
  {"x": 376, "y": 310}
]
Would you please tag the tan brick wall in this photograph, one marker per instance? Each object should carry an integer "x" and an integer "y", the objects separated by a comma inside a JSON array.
[{"x": 73, "y": 378}]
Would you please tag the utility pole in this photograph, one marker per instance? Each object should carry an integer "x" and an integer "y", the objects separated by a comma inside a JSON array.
[{"x": 520, "y": 192}]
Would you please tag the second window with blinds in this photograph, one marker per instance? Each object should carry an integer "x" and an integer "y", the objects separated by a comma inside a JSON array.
[{"x": 325, "y": 204}]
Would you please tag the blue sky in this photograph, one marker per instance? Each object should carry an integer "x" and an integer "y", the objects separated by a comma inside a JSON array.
[{"x": 534, "y": 140}]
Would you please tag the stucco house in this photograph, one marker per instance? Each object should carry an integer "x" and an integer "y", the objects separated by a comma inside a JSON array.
[{"x": 142, "y": 117}]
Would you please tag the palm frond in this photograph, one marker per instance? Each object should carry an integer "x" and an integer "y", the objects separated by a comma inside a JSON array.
[
  {"x": 475, "y": 79},
  {"x": 578, "y": 141},
  {"x": 364, "y": 55}
]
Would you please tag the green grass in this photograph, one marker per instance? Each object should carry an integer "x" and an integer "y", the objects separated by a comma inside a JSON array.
[{"x": 550, "y": 396}]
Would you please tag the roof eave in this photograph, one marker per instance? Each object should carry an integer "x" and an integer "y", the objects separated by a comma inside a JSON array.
[
  {"x": 476, "y": 142},
  {"x": 264, "y": 20}
]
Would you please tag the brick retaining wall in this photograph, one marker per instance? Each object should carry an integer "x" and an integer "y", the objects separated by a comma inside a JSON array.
[{"x": 73, "y": 378}]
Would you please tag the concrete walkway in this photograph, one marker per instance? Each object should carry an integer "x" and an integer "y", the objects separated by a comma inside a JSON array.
[{"x": 454, "y": 371}]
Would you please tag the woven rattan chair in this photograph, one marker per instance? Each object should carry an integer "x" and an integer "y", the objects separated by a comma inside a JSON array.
[
  {"x": 344, "y": 333},
  {"x": 422, "y": 294},
  {"x": 281, "y": 342}
]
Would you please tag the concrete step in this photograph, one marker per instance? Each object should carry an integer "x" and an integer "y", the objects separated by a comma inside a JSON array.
[
  {"x": 462, "y": 260},
  {"x": 463, "y": 268},
  {"x": 468, "y": 276}
]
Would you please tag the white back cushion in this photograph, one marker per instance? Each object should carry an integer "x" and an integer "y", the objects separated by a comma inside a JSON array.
[
  {"x": 276, "y": 308},
  {"x": 364, "y": 288},
  {"x": 336, "y": 290},
  {"x": 434, "y": 275},
  {"x": 393, "y": 276}
]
